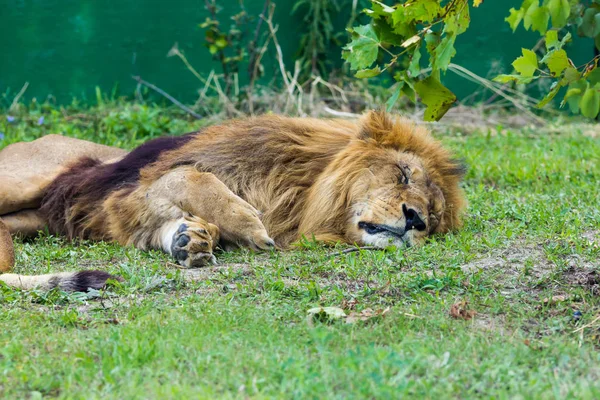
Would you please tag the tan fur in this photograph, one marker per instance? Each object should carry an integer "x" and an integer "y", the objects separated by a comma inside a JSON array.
[
  {"x": 28, "y": 282},
  {"x": 26, "y": 223}
]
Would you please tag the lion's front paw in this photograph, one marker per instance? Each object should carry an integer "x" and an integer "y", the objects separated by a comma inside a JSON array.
[
  {"x": 251, "y": 233},
  {"x": 242, "y": 227},
  {"x": 193, "y": 243},
  {"x": 260, "y": 240}
]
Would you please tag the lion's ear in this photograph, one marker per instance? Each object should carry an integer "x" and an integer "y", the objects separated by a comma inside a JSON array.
[
  {"x": 376, "y": 125},
  {"x": 456, "y": 167}
]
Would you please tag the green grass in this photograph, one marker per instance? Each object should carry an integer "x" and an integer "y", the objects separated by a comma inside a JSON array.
[{"x": 526, "y": 262}]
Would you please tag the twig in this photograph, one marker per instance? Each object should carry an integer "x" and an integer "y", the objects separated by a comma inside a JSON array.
[
  {"x": 353, "y": 14},
  {"x": 352, "y": 250},
  {"x": 176, "y": 52},
  {"x": 340, "y": 113},
  {"x": 225, "y": 99},
  {"x": 18, "y": 96},
  {"x": 273, "y": 31},
  {"x": 207, "y": 83},
  {"x": 591, "y": 324},
  {"x": 259, "y": 57},
  {"x": 465, "y": 73},
  {"x": 170, "y": 264},
  {"x": 254, "y": 56},
  {"x": 167, "y": 95},
  {"x": 332, "y": 88}
]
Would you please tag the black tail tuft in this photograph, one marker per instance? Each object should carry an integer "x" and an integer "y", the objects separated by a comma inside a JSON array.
[{"x": 84, "y": 280}]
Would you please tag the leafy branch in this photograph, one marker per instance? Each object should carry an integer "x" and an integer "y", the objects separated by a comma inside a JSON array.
[
  {"x": 552, "y": 19},
  {"x": 395, "y": 39}
]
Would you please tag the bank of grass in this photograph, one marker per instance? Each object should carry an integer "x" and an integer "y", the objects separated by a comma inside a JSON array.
[{"x": 526, "y": 262}]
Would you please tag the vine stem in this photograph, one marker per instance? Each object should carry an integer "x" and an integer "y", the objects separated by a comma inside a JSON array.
[{"x": 168, "y": 96}]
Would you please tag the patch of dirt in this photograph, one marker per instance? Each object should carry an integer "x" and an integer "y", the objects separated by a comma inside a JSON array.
[
  {"x": 207, "y": 273},
  {"x": 593, "y": 237},
  {"x": 514, "y": 261},
  {"x": 494, "y": 324},
  {"x": 343, "y": 281},
  {"x": 587, "y": 129},
  {"x": 526, "y": 264},
  {"x": 584, "y": 274}
]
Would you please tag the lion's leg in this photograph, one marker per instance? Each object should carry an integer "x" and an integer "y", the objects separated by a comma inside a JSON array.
[
  {"x": 26, "y": 169},
  {"x": 7, "y": 252},
  {"x": 180, "y": 211},
  {"x": 202, "y": 194},
  {"x": 26, "y": 222}
]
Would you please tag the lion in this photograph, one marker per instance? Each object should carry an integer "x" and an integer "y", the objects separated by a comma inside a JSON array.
[{"x": 262, "y": 182}]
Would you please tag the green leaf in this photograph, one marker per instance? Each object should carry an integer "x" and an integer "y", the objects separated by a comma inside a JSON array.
[
  {"x": 526, "y": 64},
  {"x": 408, "y": 88},
  {"x": 402, "y": 26},
  {"x": 515, "y": 18},
  {"x": 385, "y": 32},
  {"x": 422, "y": 10},
  {"x": 596, "y": 24},
  {"x": 444, "y": 52},
  {"x": 435, "y": 96},
  {"x": 432, "y": 41},
  {"x": 590, "y": 24},
  {"x": 565, "y": 40},
  {"x": 414, "y": 68},
  {"x": 539, "y": 20},
  {"x": 551, "y": 40},
  {"x": 506, "y": 78},
  {"x": 571, "y": 75},
  {"x": 593, "y": 76},
  {"x": 362, "y": 51},
  {"x": 529, "y": 14},
  {"x": 516, "y": 78},
  {"x": 379, "y": 10},
  {"x": 458, "y": 19},
  {"x": 559, "y": 11},
  {"x": 571, "y": 93},
  {"x": 550, "y": 96},
  {"x": 368, "y": 73},
  {"x": 590, "y": 102},
  {"x": 557, "y": 61},
  {"x": 575, "y": 92},
  {"x": 221, "y": 42},
  {"x": 392, "y": 100}
]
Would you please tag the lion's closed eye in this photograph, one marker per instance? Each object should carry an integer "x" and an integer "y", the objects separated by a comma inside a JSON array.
[{"x": 405, "y": 174}]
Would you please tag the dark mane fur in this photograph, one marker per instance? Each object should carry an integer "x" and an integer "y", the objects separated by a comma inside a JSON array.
[{"x": 89, "y": 180}]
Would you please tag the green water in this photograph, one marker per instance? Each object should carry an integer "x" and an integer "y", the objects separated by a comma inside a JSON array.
[{"x": 65, "y": 48}]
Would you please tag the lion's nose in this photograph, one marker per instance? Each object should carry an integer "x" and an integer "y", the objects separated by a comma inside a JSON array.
[{"x": 413, "y": 221}]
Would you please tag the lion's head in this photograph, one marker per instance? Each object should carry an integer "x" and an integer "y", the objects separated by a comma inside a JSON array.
[{"x": 392, "y": 185}]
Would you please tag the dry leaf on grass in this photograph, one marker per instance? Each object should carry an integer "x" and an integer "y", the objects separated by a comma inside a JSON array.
[
  {"x": 461, "y": 310},
  {"x": 326, "y": 315},
  {"x": 349, "y": 304},
  {"x": 555, "y": 299},
  {"x": 330, "y": 315},
  {"x": 366, "y": 315}
]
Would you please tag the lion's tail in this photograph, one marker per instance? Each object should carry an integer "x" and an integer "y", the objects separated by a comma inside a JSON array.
[{"x": 68, "y": 281}]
